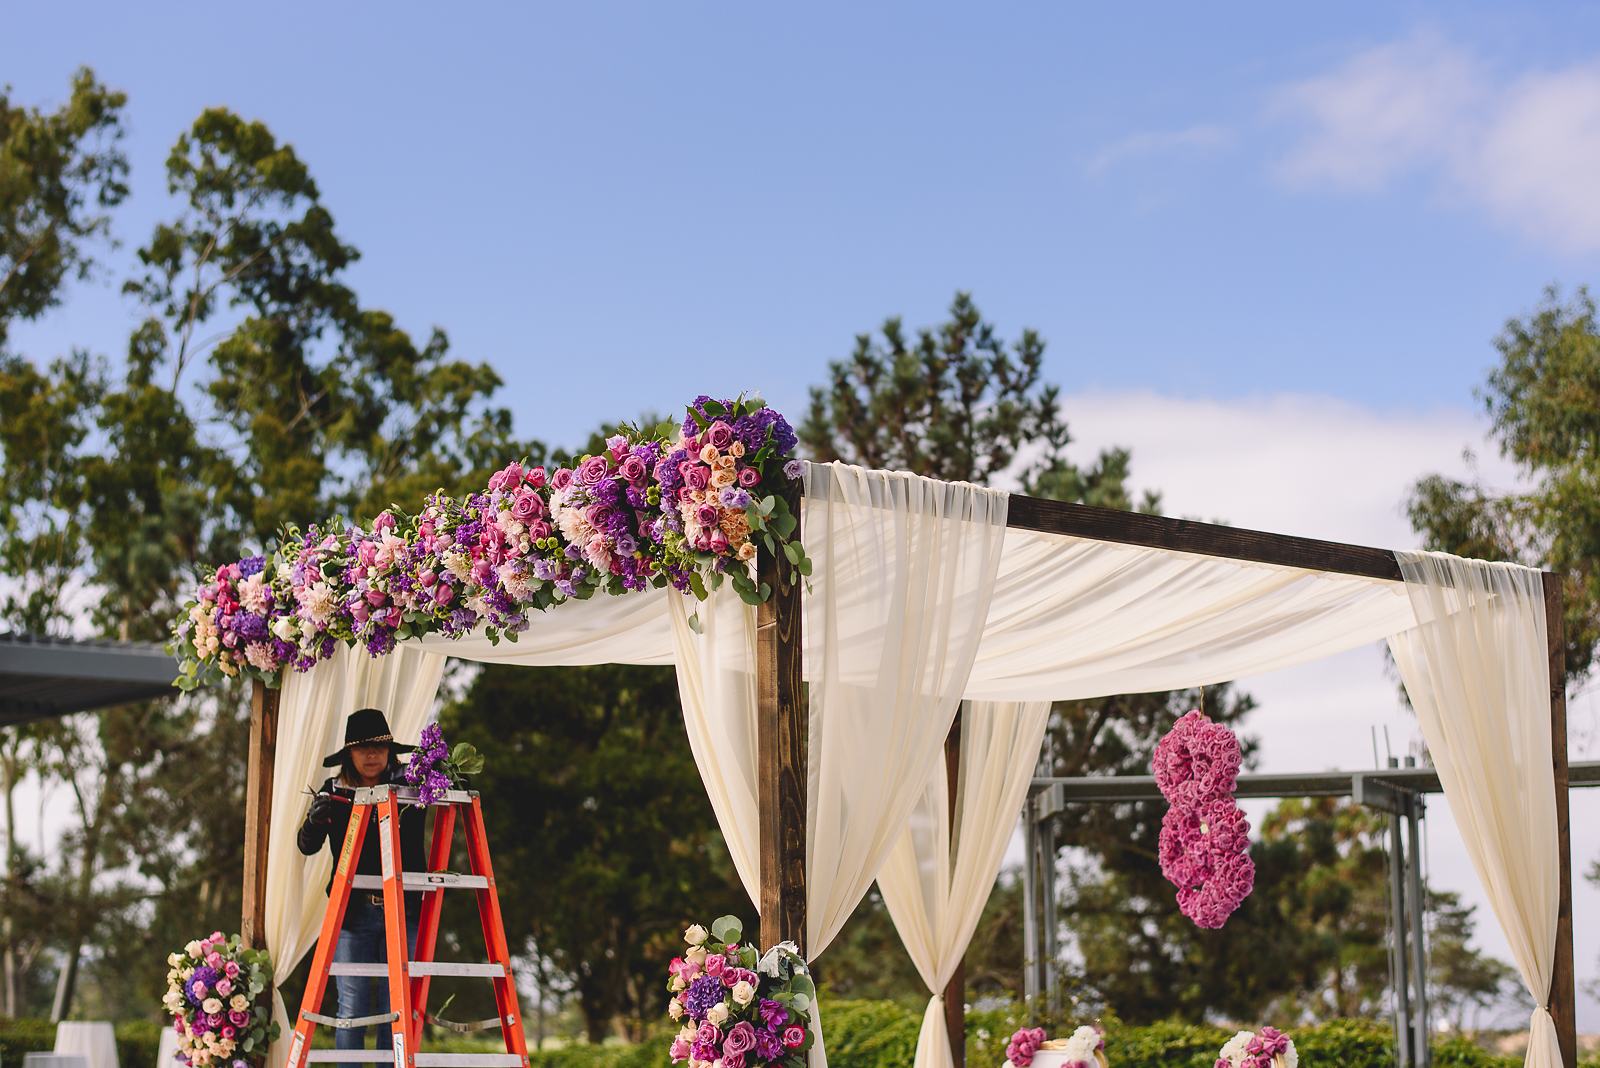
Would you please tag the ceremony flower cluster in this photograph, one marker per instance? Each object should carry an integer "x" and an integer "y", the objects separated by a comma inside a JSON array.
[
  {"x": 1270, "y": 1048},
  {"x": 737, "y": 1007},
  {"x": 435, "y": 768},
  {"x": 683, "y": 506},
  {"x": 1205, "y": 839},
  {"x": 214, "y": 989},
  {"x": 1084, "y": 1049}
]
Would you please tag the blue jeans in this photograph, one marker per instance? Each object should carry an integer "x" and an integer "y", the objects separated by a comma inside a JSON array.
[{"x": 362, "y": 941}]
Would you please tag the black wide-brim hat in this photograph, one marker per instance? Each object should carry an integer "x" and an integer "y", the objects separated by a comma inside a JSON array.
[{"x": 365, "y": 726}]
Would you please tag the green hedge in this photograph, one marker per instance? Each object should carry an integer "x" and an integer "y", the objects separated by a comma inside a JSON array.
[{"x": 882, "y": 1034}]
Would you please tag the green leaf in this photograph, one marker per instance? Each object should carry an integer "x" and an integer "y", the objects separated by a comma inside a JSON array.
[
  {"x": 713, "y": 407},
  {"x": 805, "y": 566},
  {"x": 792, "y": 551},
  {"x": 727, "y": 929},
  {"x": 766, "y": 591},
  {"x": 697, "y": 585},
  {"x": 695, "y": 624}
]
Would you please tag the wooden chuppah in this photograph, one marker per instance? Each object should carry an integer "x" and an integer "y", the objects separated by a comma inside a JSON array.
[{"x": 783, "y": 724}]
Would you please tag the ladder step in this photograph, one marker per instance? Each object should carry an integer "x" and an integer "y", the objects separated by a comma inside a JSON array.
[
  {"x": 344, "y": 1022},
  {"x": 349, "y": 1056},
  {"x": 469, "y": 1060},
  {"x": 380, "y": 970},
  {"x": 425, "y": 880},
  {"x": 434, "y": 967}
]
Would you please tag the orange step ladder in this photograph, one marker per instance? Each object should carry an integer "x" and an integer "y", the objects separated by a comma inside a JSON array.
[{"x": 408, "y": 978}]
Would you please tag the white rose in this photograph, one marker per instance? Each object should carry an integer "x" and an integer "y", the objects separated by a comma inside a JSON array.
[
  {"x": 696, "y": 956},
  {"x": 1290, "y": 1057},
  {"x": 675, "y": 1009},
  {"x": 193, "y": 949},
  {"x": 174, "y": 959},
  {"x": 212, "y": 1006},
  {"x": 1233, "y": 1050},
  {"x": 687, "y": 1032},
  {"x": 239, "y": 1003},
  {"x": 743, "y": 993},
  {"x": 695, "y": 935},
  {"x": 284, "y": 627},
  {"x": 718, "y": 1013},
  {"x": 676, "y": 983}
]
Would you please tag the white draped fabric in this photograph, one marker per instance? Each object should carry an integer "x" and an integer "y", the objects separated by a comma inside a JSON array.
[
  {"x": 311, "y": 714},
  {"x": 1476, "y": 669},
  {"x": 921, "y": 597},
  {"x": 937, "y": 879}
]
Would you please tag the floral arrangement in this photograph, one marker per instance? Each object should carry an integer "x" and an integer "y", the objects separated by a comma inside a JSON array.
[
  {"x": 683, "y": 506},
  {"x": 214, "y": 989},
  {"x": 435, "y": 768},
  {"x": 1205, "y": 839},
  {"x": 1084, "y": 1049},
  {"x": 1270, "y": 1048},
  {"x": 736, "y": 1006}
]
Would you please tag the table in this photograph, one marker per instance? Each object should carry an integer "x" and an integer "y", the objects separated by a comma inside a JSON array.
[{"x": 94, "y": 1041}]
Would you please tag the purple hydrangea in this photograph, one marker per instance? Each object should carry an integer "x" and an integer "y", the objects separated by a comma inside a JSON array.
[
  {"x": 202, "y": 983},
  {"x": 703, "y": 993},
  {"x": 252, "y": 565}
]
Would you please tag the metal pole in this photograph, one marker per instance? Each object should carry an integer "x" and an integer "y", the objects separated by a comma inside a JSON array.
[
  {"x": 1397, "y": 946},
  {"x": 1030, "y": 927},
  {"x": 1414, "y": 891},
  {"x": 1047, "y": 895}
]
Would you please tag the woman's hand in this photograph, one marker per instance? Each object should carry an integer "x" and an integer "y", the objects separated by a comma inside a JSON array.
[{"x": 323, "y": 809}]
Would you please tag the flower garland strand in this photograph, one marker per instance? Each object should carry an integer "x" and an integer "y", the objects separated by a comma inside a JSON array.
[
  {"x": 1205, "y": 839},
  {"x": 649, "y": 510}
]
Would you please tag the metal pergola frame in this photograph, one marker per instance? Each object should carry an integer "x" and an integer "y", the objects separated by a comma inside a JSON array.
[
  {"x": 45, "y": 678},
  {"x": 781, "y": 720},
  {"x": 1397, "y": 790}
]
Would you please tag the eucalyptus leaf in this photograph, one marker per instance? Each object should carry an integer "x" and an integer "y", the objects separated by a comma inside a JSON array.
[{"x": 727, "y": 929}]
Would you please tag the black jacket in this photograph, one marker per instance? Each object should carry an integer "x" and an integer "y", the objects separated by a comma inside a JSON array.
[{"x": 413, "y": 854}]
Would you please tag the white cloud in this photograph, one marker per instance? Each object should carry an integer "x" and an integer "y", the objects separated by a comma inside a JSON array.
[
  {"x": 1152, "y": 142},
  {"x": 1525, "y": 146}
]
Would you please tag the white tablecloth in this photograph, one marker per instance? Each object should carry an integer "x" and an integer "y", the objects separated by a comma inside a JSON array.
[
  {"x": 167, "y": 1051},
  {"x": 95, "y": 1041}
]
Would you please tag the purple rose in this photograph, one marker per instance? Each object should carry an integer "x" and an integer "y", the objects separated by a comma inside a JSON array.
[
  {"x": 561, "y": 479},
  {"x": 707, "y": 514},
  {"x": 773, "y": 1014},
  {"x": 794, "y": 469},
  {"x": 741, "y": 1038},
  {"x": 719, "y": 434},
  {"x": 592, "y": 470},
  {"x": 732, "y": 1060},
  {"x": 769, "y": 1047},
  {"x": 708, "y": 1034},
  {"x": 632, "y": 469},
  {"x": 526, "y": 506}
]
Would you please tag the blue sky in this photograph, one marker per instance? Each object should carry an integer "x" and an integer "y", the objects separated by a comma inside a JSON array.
[
  {"x": 663, "y": 198},
  {"x": 1269, "y": 246}
]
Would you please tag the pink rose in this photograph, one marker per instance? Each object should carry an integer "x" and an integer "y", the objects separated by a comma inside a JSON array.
[
  {"x": 719, "y": 541},
  {"x": 561, "y": 479},
  {"x": 592, "y": 470},
  {"x": 228, "y": 1031},
  {"x": 708, "y": 515},
  {"x": 632, "y": 469},
  {"x": 749, "y": 477},
  {"x": 239, "y": 1018},
  {"x": 732, "y": 1060},
  {"x": 699, "y": 477},
  {"x": 444, "y": 593},
  {"x": 428, "y": 577},
  {"x": 794, "y": 1037},
  {"x": 675, "y": 966},
  {"x": 741, "y": 1038},
  {"x": 536, "y": 478},
  {"x": 715, "y": 964},
  {"x": 214, "y": 959},
  {"x": 708, "y": 1034},
  {"x": 526, "y": 506},
  {"x": 377, "y": 598},
  {"x": 358, "y": 612},
  {"x": 368, "y": 553},
  {"x": 483, "y": 571},
  {"x": 680, "y": 1049},
  {"x": 540, "y": 529},
  {"x": 224, "y": 987},
  {"x": 394, "y": 615},
  {"x": 719, "y": 434},
  {"x": 508, "y": 477},
  {"x": 385, "y": 521},
  {"x": 231, "y": 970}
]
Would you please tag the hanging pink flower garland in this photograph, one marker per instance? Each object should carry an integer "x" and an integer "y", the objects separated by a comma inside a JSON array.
[{"x": 1205, "y": 838}]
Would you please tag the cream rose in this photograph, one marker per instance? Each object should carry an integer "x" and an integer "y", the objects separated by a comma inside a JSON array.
[
  {"x": 212, "y": 1005},
  {"x": 695, "y": 935},
  {"x": 718, "y": 1013},
  {"x": 239, "y": 1003},
  {"x": 743, "y": 993}
]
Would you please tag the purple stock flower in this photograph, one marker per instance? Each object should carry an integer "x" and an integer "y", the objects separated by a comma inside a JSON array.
[
  {"x": 251, "y": 565},
  {"x": 703, "y": 993}
]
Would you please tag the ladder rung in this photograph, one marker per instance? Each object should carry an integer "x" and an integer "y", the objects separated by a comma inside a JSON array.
[
  {"x": 465, "y": 1027},
  {"x": 424, "y": 880},
  {"x": 468, "y": 1060},
  {"x": 344, "y": 1022},
  {"x": 349, "y": 1056},
  {"x": 434, "y": 967},
  {"x": 379, "y": 970}
]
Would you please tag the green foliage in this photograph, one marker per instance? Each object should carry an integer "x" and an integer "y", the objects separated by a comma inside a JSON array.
[
  {"x": 60, "y": 174},
  {"x": 1544, "y": 400},
  {"x": 138, "y": 1041}
]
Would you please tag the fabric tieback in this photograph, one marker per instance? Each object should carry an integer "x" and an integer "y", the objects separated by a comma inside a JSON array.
[{"x": 1544, "y": 1044}]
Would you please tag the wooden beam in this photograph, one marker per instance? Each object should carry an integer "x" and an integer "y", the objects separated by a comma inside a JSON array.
[
  {"x": 258, "y": 812},
  {"x": 955, "y": 991},
  {"x": 1205, "y": 539},
  {"x": 1563, "y": 984},
  {"x": 781, "y": 741}
]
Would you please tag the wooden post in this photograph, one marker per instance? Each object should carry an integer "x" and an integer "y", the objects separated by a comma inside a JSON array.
[
  {"x": 258, "y": 812},
  {"x": 1563, "y": 990},
  {"x": 781, "y": 737},
  {"x": 955, "y": 991}
]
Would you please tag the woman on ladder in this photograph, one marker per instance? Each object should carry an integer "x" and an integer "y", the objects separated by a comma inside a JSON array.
[{"x": 368, "y": 758}]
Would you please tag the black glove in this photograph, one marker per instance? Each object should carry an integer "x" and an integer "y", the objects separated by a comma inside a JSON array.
[{"x": 323, "y": 809}]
